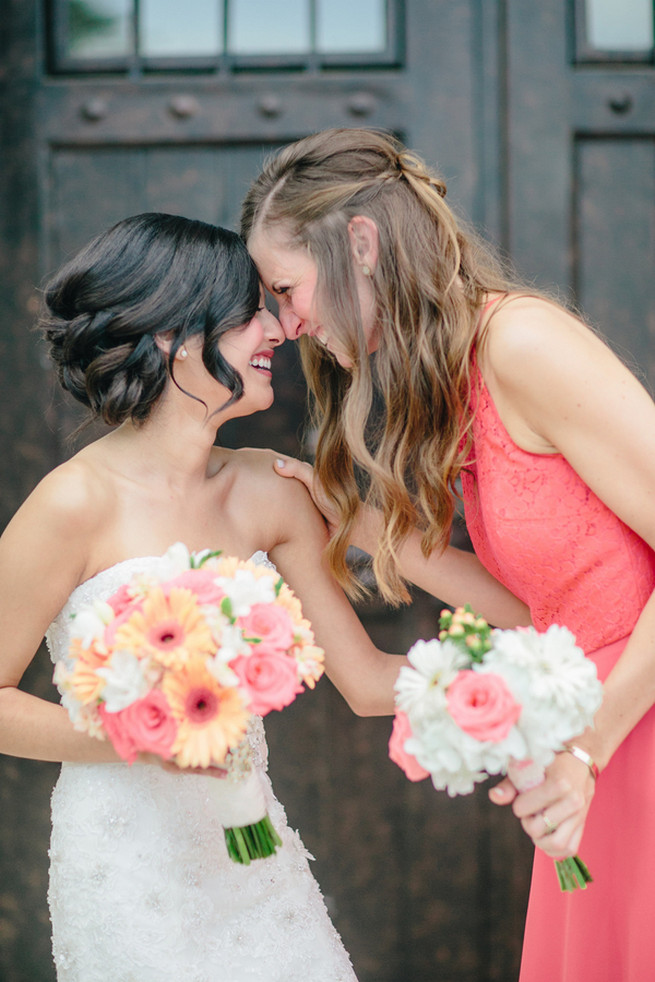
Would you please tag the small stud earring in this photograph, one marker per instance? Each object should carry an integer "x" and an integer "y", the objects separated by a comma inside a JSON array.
[
  {"x": 183, "y": 352},
  {"x": 366, "y": 270}
]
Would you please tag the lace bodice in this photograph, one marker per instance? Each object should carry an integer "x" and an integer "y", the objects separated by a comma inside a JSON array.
[
  {"x": 540, "y": 530},
  {"x": 141, "y": 887}
]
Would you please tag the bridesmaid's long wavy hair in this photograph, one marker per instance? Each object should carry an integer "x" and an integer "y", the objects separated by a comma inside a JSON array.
[
  {"x": 429, "y": 282},
  {"x": 148, "y": 275}
]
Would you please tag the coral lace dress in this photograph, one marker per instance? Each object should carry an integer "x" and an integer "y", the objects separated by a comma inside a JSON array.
[{"x": 542, "y": 532}]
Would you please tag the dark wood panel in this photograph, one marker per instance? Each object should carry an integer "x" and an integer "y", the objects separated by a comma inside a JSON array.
[{"x": 615, "y": 244}]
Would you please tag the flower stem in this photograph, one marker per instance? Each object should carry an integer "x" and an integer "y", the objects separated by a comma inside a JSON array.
[
  {"x": 572, "y": 874},
  {"x": 254, "y": 841}
]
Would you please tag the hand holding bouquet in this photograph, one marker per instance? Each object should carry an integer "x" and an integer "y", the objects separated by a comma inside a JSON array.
[
  {"x": 176, "y": 664},
  {"x": 477, "y": 702}
]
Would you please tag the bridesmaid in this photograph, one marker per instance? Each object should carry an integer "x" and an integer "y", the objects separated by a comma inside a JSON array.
[{"x": 488, "y": 383}]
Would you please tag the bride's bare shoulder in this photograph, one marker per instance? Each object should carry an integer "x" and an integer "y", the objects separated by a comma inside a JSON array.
[
  {"x": 258, "y": 481},
  {"x": 74, "y": 494}
]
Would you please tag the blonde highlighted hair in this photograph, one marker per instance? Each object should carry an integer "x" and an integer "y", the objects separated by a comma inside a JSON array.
[{"x": 430, "y": 280}]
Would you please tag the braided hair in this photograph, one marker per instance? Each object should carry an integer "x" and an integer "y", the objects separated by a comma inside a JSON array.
[{"x": 431, "y": 274}]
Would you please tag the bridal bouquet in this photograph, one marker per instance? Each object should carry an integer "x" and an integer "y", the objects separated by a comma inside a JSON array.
[
  {"x": 477, "y": 701},
  {"x": 176, "y": 664}
]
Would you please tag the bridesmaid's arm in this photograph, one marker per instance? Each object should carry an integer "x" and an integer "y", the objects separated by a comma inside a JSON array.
[
  {"x": 559, "y": 389},
  {"x": 362, "y": 673},
  {"x": 454, "y": 576}
]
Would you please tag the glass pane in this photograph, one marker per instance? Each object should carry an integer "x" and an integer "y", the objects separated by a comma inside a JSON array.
[
  {"x": 620, "y": 25},
  {"x": 170, "y": 28},
  {"x": 98, "y": 28},
  {"x": 267, "y": 27},
  {"x": 344, "y": 25}
]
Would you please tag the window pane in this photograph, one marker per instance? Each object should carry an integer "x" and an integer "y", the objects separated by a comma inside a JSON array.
[
  {"x": 345, "y": 25},
  {"x": 266, "y": 27},
  {"x": 169, "y": 29},
  {"x": 98, "y": 28},
  {"x": 620, "y": 25}
]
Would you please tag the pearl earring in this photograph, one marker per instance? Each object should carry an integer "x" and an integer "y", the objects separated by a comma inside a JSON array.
[
  {"x": 366, "y": 270},
  {"x": 183, "y": 352}
]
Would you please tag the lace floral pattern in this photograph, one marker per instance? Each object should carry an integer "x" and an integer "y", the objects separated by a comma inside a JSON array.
[
  {"x": 141, "y": 887},
  {"x": 542, "y": 532}
]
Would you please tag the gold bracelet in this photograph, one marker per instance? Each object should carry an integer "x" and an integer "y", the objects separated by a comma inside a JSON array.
[{"x": 586, "y": 758}]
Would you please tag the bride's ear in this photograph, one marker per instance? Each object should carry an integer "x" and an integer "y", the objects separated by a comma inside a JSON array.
[
  {"x": 164, "y": 341},
  {"x": 364, "y": 241}
]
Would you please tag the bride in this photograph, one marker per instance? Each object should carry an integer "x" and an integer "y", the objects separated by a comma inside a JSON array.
[{"x": 158, "y": 327}]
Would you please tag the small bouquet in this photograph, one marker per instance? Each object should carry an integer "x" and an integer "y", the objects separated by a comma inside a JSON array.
[
  {"x": 478, "y": 701},
  {"x": 176, "y": 664}
]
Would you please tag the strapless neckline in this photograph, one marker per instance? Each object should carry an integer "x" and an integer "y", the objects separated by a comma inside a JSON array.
[{"x": 258, "y": 556}]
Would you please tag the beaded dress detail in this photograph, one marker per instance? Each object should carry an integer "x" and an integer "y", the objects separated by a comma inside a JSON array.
[
  {"x": 141, "y": 886},
  {"x": 540, "y": 530}
]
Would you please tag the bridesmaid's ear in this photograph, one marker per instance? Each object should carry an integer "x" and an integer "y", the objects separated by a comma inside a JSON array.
[{"x": 364, "y": 241}]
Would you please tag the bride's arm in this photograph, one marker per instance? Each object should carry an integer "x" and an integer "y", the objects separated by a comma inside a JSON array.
[
  {"x": 42, "y": 559},
  {"x": 454, "y": 576},
  {"x": 362, "y": 673}
]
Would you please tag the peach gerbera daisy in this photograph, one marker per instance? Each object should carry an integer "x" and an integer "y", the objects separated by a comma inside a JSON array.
[
  {"x": 170, "y": 627},
  {"x": 286, "y": 598},
  {"x": 211, "y": 718},
  {"x": 85, "y": 683}
]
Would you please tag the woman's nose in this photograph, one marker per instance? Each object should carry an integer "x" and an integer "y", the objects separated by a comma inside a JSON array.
[
  {"x": 273, "y": 328},
  {"x": 292, "y": 325}
]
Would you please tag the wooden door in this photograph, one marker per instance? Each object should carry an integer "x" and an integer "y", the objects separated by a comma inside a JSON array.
[
  {"x": 581, "y": 161},
  {"x": 421, "y": 887}
]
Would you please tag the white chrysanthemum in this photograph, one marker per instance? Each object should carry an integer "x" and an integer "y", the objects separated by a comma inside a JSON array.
[
  {"x": 125, "y": 681},
  {"x": 244, "y": 590},
  {"x": 552, "y": 679},
  {"x": 557, "y": 667},
  {"x": 90, "y": 623},
  {"x": 421, "y": 689}
]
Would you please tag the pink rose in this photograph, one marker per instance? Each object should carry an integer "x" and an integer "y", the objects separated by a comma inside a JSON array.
[
  {"x": 121, "y": 600},
  {"x": 269, "y": 678},
  {"x": 271, "y": 623},
  {"x": 124, "y": 604},
  {"x": 202, "y": 582},
  {"x": 482, "y": 705},
  {"x": 402, "y": 731},
  {"x": 146, "y": 726}
]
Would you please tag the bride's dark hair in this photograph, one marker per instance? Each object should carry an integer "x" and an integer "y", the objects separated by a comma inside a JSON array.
[{"x": 150, "y": 274}]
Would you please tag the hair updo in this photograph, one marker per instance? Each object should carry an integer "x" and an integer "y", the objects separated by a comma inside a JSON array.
[{"x": 150, "y": 274}]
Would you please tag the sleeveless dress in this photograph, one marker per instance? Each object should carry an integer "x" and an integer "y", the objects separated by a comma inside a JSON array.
[
  {"x": 542, "y": 532},
  {"x": 141, "y": 886}
]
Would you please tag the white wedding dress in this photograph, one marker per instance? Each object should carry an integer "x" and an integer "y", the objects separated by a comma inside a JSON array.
[{"x": 141, "y": 887}]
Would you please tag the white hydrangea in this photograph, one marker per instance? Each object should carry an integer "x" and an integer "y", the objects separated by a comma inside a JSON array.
[
  {"x": 176, "y": 560},
  {"x": 125, "y": 681},
  {"x": 231, "y": 645},
  {"x": 244, "y": 590},
  {"x": 91, "y": 622}
]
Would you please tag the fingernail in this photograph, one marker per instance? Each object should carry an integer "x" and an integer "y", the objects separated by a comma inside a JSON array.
[{"x": 280, "y": 463}]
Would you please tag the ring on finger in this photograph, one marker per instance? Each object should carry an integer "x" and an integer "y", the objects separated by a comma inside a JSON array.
[{"x": 550, "y": 826}]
